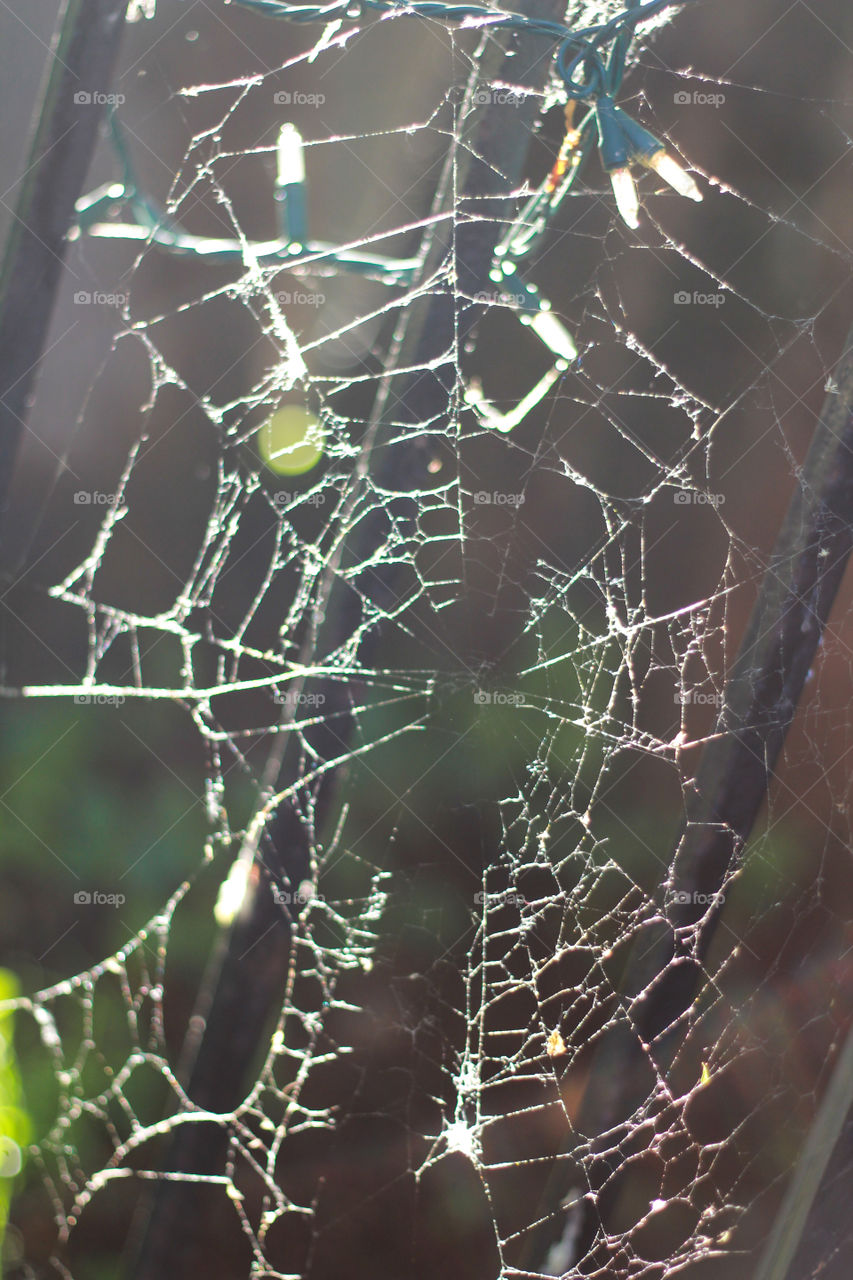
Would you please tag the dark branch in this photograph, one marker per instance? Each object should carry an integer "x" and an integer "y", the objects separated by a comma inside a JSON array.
[
  {"x": 66, "y": 130},
  {"x": 789, "y": 618}
]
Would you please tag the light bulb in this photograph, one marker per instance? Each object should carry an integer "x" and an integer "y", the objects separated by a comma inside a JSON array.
[
  {"x": 554, "y": 334},
  {"x": 232, "y": 893},
  {"x": 291, "y": 162},
  {"x": 673, "y": 174},
  {"x": 290, "y": 188},
  {"x": 625, "y": 193}
]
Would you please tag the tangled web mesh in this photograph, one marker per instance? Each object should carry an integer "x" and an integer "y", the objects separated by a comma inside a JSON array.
[{"x": 435, "y": 702}]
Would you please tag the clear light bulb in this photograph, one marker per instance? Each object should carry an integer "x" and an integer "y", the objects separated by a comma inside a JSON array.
[
  {"x": 555, "y": 335},
  {"x": 291, "y": 162},
  {"x": 497, "y": 421},
  {"x": 673, "y": 174},
  {"x": 290, "y": 188},
  {"x": 625, "y": 194}
]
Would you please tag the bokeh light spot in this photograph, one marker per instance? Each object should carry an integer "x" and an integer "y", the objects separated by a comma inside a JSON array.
[{"x": 291, "y": 443}]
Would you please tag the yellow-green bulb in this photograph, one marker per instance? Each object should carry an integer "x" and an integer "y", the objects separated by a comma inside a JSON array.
[{"x": 291, "y": 443}]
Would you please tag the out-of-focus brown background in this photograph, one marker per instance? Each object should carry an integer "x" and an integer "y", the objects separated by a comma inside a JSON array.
[{"x": 113, "y": 798}]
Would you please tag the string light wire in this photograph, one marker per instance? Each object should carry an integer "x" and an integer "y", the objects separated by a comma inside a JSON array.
[{"x": 590, "y": 63}]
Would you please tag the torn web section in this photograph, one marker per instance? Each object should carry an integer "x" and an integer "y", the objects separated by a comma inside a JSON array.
[{"x": 574, "y": 595}]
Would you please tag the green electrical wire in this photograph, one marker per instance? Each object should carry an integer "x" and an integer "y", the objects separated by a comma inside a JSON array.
[
  {"x": 591, "y": 74},
  {"x": 591, "y": 64}
]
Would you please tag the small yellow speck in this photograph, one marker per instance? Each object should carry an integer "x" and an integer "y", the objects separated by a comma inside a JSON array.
[{"x": 706, "y": 1074}]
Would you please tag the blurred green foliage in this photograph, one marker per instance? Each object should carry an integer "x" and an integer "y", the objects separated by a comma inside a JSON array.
[{"x": 15, "y": 1128}]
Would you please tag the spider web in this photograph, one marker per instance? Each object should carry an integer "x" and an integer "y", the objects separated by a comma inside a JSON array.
[{"x": 436, "y": 702}]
